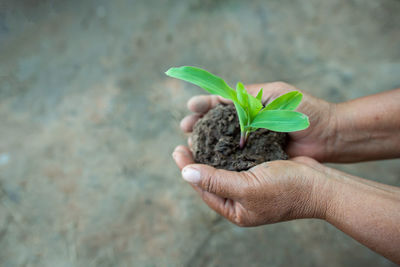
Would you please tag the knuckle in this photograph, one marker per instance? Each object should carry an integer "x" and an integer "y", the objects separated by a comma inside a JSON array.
[
  {"x": 279, "y": 84},
  {"x": 245, "y": 189},
  {"x": 239, "y": 221},
  {"x": 214, "y": 99},
  {"x": 239, "y": 217},
  {"x": 278, "y": 165},
  {"x": 209, "y": 183}
]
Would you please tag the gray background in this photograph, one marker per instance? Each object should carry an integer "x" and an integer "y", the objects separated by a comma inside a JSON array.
[{"x": 88, "y": 121}]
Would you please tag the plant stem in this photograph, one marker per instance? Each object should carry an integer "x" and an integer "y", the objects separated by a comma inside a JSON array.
[{"x": 243, "y": 139}]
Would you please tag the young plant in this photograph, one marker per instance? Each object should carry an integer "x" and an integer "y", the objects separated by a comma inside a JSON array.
[{"x": 278, "y": 115}]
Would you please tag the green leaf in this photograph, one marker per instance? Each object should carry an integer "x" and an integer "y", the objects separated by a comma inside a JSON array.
[
  {"x": 241, "y": 95},
  {"x": 281, "y": 120},
  {"x": 260, "y": 94},
  {"x": 241, "y": 115},
  {"x": 202, "y": 78},
  {"x": 288, "y": 101},
  {"x": 248, "y": 102},
  {"x": 255, "y": 106}
]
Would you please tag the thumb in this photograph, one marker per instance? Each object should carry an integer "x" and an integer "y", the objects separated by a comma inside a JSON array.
[{"x": 226, "y": 184}]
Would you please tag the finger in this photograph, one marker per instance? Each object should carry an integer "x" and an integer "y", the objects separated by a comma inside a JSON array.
[
  {"x": 270, "y": 90},
  {"x": 182, "y": 156},
  {"x": 203, "y": 103},
  {"x": 223, "y": 206},
  {"x": 253, "y": 89},
  {"x": 226, "y": 184},
  {"x": 190, "y": 142},
  {"x": 188, "y": 122}
]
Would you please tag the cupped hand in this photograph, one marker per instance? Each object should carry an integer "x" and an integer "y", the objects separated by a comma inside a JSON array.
[
  {"x": 267, "y": 193},
  {"x": 317, "y": 141}
]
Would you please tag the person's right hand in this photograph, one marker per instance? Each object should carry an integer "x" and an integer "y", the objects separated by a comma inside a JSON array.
[{"x": 317, "y": 141}]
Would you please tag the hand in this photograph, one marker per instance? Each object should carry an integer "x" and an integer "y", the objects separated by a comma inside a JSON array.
[
  {"x": 300, "y": 188},
  {"x": 317, "y": 141},
  {"x": 270, "y": 192}
]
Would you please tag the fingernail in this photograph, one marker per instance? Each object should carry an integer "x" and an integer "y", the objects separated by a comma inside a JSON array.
[{"x": 191, "y": 175}]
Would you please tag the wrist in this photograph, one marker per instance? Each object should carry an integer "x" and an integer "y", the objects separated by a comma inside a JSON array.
[
  {"x": 330, "y": 194},
  {"x": 313, "y": 192},
  {"x": 358, "y": 133},
  {"x": 332, "y": 131},
  {"x": 321, "y": 195},
  {"x": 329, "y": 135}
]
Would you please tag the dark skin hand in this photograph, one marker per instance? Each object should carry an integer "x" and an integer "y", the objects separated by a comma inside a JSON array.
[
  {"x": 311, "y": 142},
  {"x": 362, "y": 129},
  {"x": 302, "y": 187}
]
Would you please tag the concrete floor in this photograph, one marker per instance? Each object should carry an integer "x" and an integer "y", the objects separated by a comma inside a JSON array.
[{"x": 88, "y": 122}]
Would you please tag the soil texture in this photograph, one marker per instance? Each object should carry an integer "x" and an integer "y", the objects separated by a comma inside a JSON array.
[{"x": 215, "y": 141}]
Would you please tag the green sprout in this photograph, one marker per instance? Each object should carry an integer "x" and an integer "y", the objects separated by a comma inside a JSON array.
[{"x": 278, "y": 115}]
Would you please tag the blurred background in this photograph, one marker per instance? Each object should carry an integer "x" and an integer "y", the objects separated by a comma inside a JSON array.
[{"x": 88, "y": 122}]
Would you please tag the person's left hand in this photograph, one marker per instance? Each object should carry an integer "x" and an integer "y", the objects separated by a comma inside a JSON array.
[{"x": 267, "y": 193}]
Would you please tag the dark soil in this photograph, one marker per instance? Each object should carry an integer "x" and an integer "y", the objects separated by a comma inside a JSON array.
[{"x": 215, "y": 141}]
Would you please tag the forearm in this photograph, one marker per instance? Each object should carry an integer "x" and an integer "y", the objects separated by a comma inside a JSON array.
[
  {"x": 367, "y": 211},
  {"x": 368, "y": 128}
]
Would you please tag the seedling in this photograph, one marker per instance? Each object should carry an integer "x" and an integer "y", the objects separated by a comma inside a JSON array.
[{"x": 278, "y": 115}]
